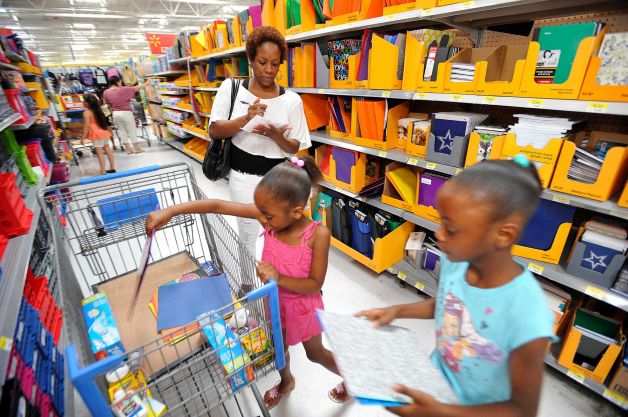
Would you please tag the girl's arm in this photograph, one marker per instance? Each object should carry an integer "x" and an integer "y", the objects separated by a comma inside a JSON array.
[
  {"x": 314, "y": 282},
  {"x": 158, "y": 219},
  {"x": 420, "y": 310},
  {"x": 87, "y": 118},
  {"x": 526, "y": 376}
]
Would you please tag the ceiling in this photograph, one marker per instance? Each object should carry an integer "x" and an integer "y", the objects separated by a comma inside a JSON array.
[{"x": 64, "y": 32}]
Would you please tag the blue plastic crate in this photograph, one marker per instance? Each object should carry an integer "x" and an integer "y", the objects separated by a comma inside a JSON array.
[{"x": 126, "y": 208}]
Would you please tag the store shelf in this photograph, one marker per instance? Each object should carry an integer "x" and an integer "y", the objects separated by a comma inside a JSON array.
[
  {"x": 177, "y": 134},
  {"x": 165, "y": 73},
  {"x": 171, "y": 93},
  {"x": 227, "y": 52},
  {"x": 178, "y": 60},
  {"x": 558, "y": 274},
  {"x": 14, "y": 265},
  {"x": 420, "y": 280},
  {"x": 399, "y": 94},
  {"x": 594, "y": 386},
  {"x": 150, "y": 100},
  {"x": 198, "y": 135},
  {"x": 605, "y": 207},
  {"x": 31, "y": 74},
  {"x": 179, "y": 147},
  {"x": 9, "y": 120},
  {"x": 8, "y": 67},
  {"x": 206, "y": 88},
  {"x": 151, "y": 119},
  {"x": 582, "y": 106},
  {"x": 176, "y": 108},
  {"x": 25, "y": 125},
  {"x": 28, "y": 90}
]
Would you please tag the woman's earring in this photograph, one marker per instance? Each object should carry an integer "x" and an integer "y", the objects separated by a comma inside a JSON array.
[{"x": 279, "y": 76}]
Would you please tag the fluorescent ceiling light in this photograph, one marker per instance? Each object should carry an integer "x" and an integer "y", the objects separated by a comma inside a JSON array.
[
  {"x": 83, "y": 26},
  {"x": 87, "y": 15},
  {"x": 15, "y": 18}
]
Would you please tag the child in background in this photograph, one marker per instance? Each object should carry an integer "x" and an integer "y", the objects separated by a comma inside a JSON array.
[
  {"x": 492, "y": 322},
  {"x": 97, "y": 130},
  {"x": 295, "y": 254}
]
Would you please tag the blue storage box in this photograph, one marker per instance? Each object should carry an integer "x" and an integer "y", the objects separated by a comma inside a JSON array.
[
  {"x": 127, "y": 208},
  {"x": 543, "y": 226}
]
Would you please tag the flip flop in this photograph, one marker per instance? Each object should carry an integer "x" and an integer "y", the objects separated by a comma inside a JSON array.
[
  {"x": 338, "y": 394},
  {"x": 273, "y": 395}
]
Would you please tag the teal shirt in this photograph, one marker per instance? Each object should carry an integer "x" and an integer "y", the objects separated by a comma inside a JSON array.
[{"x": 477, "y": 328}]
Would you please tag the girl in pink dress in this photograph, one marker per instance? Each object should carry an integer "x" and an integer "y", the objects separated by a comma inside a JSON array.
[{"x": 295, "y": 254}]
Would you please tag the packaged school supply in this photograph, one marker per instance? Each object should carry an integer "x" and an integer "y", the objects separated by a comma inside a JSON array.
[
  {"x": 341, "y": 223},
  {"x": 102, "y": 331},
  {"x": 613, "y": 55},
  {"x": 449, "y": 136}
]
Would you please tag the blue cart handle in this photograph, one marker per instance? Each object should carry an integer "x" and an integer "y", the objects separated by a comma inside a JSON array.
[{"x": 121, "y": 174}]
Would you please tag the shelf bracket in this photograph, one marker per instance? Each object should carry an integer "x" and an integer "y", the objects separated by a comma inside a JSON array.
[{"x": 475, "y": 33}]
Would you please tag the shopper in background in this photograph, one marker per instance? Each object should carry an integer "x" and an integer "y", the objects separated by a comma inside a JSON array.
[
  {"x": 119, "y": 98},
  {"x": 97, "y": 130},
  {"x": 295, "y": 255},
  {"x": 254, "y": 154},
  {"x": 492, "y": 322}
]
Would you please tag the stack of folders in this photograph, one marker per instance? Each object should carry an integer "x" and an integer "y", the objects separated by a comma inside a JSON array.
[
  {"x": 557, "y": 300},
  {"x": 438, "y": 49},
  {"x": 422, "y": 254},
  {"x": 372, "y": 117},
  {"x": 621, "y": 283},
  {"x": 340, "y": 113},
  {"x": 340, "y": 50},
  {"x": 598, "y": 332},
  {"x": 585, "y": 167},
  {"x": 538, "y": 130},
  {"x": 398, "y": 40},
  {"x": 604, "y": 239},
  {"x": 461, "y": 72},
  {"x": 613, "y": 60},
  {"x": 487, "y": 137}
]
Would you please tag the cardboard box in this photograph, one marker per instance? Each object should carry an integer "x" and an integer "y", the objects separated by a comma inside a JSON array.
[
  {"x": 104, "y": 337},
  {"x": 619, "y": 383}
]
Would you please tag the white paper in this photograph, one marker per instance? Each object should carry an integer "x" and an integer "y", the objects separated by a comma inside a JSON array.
[{"x": 259, "y": 120}]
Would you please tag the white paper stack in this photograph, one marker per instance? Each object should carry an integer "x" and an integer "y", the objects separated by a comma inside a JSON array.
[
  {"x": 585, "y": 167},
  {"x": 538, "y": 130},
  {"x": 462, "y": 73}
]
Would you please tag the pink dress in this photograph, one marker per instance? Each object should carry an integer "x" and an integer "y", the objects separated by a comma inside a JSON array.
[{"x": 298, "y": 311}]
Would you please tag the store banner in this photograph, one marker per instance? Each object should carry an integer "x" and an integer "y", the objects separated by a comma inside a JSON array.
[{"x": 160, "y": 41}]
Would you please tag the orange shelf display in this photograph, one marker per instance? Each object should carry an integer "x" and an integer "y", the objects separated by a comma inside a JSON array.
[
  {"x": 591, "y": 90},
  {"x": 474, "y": 146},
  {"x": 553, "y": 254}
]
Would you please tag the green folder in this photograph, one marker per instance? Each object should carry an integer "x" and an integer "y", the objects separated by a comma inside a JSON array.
[{"x": 558, "y": 50}]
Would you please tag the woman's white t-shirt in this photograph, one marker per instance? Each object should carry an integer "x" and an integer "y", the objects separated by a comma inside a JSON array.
[{"x": 284, "y": 109}]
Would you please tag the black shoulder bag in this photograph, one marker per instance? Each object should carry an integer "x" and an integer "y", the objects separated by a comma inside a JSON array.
[{"x": 216, "y": 163}]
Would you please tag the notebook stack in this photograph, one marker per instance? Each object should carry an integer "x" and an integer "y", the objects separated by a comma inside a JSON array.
[
  {"x": 538, "y": 130},
  {"x": 557, "y": 300},
  {"x": 487, "y": 136},
  {"x": 461, "y": 72},
  {"x": 585, "y": 167}
]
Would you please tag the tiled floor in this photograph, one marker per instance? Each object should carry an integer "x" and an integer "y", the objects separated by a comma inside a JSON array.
[{"x": 350, "y": 287}]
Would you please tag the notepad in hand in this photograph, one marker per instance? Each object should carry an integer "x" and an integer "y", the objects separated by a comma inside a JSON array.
[
  {"x": 259, "y": 120},
  {"x": 372, "y": 361}
]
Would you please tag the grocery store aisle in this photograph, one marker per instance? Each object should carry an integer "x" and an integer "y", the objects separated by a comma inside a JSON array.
[{"x": 350, "y": 287}]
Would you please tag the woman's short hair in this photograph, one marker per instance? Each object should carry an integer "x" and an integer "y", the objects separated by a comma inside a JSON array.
[
  {"x": 113, "y": 80},
  {"x": 264, "y": 34}
]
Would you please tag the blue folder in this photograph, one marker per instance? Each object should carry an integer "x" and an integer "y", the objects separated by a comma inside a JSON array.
[
  {"x": 180, "y": 304},
  {"x": 542, "y": 228}
]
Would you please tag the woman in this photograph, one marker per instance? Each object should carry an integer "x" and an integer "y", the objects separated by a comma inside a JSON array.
[
  {"x": 254, "y": 154},
  {"x": 119, "y": 98}
]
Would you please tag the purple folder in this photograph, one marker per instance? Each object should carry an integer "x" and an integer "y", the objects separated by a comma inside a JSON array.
[
  {"x": 430, "y": 184},
  {"x": 255, "y": 13},
  {"x": 363, "y": 71},
  {"x": 344, "y": 161}
]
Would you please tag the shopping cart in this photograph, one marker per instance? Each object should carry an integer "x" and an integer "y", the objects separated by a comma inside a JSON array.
[{"x": 98, "y": 228}]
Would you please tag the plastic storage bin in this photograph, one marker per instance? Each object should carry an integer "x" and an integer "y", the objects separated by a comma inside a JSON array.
[{"x": 15, "y": 217}]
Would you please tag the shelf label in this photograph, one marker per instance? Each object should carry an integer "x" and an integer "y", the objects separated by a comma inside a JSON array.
[
  {"x": 391, "y": 16},
  {"x": 561, "y": 199},
  {"x": 430, "y": 165},
  {"x": 382, "y": 154},
  {"x": 489, "y": 99},
  {"x": 456, "y": 97},
  {"x": 385, "y": 93},
  {"x": 595, "y": 292},
  {"x": 468, "y": 4},
  {"x": 321, "y": 91},
  {"x": 617, "y": 213},
  {"x": 6, "y": 343},
  {"x": 458, "y": 171},
  {"x": 413, "y": 161},
  {"x": 420, "y": 96},
  {"x": 576, "y": 376},
  {"x": 419, "y": 286},
  {"x": 614, "y": 397},
  {"x": 537, "y": 269},
  {"x": 536, "y": 103},
  {"x": 597, "y": 107},
  {"x": 402, "y": 276},
  {"x": 391, "y": 270}
]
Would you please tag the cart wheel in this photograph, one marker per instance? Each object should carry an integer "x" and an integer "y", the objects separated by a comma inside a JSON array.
[
  {"x": 94, "y": 151},
  {"x": 79, "y": 153},
  {"x": 402, "y": 284}
]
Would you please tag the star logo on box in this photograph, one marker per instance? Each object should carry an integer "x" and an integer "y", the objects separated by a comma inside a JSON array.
[
  {"x": 446, "y": 142},
  {"x": 596, "y": 260}
]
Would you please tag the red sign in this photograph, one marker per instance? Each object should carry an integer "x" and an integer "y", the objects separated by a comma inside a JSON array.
[{"x": 160, "y": 41}]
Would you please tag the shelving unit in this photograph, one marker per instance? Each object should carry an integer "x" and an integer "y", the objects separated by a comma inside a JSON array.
[
  {"x": 165, "y": 74},
  {"x": 9, "y": 121},
  {"x": 5, "y": 66},
  {"x": 179, "y": 147},
  {"x": 25, "y": 125},
  {"x": 193, "y": 133},
  {"x": 14, "y": 264}
]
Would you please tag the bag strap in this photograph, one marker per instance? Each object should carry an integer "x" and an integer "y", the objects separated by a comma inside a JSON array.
[{"x": 235, "y": 86}]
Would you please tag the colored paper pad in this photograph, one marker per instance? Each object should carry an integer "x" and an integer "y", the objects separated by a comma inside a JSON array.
[{"x": 404, "y": 180}]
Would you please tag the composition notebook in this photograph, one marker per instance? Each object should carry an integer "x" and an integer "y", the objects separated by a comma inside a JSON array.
[{"x": 372, "y": 361}]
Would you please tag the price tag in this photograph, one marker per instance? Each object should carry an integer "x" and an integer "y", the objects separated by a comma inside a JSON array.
[
  {"x": 597, "y": 107},
  {"x": 391, "y": 16},
  {"x": 402, "y": 276},
  {"x": 458, "y": 171},
  {"x": 420, "y": 96},
  {"x": 412, "y": 161},
  {"x": 561, "y": 199},
  {"x": 489, "y": 99},
  {"x": 617, "y": 213},
  {"x": 382, "y": 154},
  {"x": 576, "y": 376},
  {"x": 6, "y": 343},
  {"x": 614, "y": 397},
  {"x": 595, "y": 292},
  {"x": 428, "y": 12},
  {"x": 385, "y": 93},
  {"x": 391, "y": 270},
  {"x": 537, "y": 269},
  {"x": 430, "y": 165},
  {"x": 419, "y": 286},
  {"x": 321, "y": 91},
  {"x": 536, "y": 103},
  {"x": 468, "y": 4},
  {"x": 456, "y": 97}
]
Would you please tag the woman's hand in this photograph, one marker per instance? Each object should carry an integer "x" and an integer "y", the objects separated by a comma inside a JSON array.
[
  {"x": 255, "y": 109},
  {"x": 379, "y": 316},
  {"x": 266, "y": 271},
  {"x": 271, "y": 131},
  {"x": 422, "y": 404},
  {"x": 157, "y": 219}
]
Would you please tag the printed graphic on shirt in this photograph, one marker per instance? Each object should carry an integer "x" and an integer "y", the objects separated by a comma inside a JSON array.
[{"x": 458, "y": 338}]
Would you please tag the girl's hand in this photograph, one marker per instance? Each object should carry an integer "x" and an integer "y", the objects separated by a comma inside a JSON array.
[
  {"x": 422, "y": 405},
  {"x": 266, "y": 271},
  {"x": 271, "y": 131},
  {"x": 83, "y": 142},
  {"x": 379, "y": 316},
  {"x": 157, "y": 219},
  {"x": 255, "y": 109}
]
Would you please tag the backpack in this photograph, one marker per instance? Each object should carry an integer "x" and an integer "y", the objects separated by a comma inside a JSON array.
[
  {"x": 113, "y": 72},
  {"x": 128, "y": 76}
]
